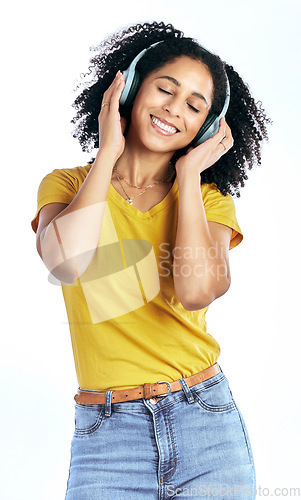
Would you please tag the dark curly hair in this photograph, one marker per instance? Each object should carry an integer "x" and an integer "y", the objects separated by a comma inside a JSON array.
[{"x": 246, "y": 118}]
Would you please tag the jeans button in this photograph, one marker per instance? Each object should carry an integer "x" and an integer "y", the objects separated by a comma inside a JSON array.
[{"x": 153, "y": 401}]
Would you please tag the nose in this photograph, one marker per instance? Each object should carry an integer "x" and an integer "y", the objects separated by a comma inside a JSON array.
[{"x": 173, "y": 106}]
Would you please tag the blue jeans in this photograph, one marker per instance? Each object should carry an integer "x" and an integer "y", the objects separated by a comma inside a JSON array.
[{"x": 191, "y": 443}]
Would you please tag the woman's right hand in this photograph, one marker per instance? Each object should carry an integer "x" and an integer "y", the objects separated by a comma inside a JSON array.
[{"x": 111, "y": 125}]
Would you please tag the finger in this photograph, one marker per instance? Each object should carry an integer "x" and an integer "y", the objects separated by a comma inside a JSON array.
[
  {"x": 109, "y": 92},
  {"x": 114, "y": 82},
  {"x": 226, "y": 144},
  {"x": 115, "y": 91},
  {"x": 228, "y": 132},
  {"x": 115, "y": 98},
  {"x": 112, "y": 105},
  {"x": 222, "y": 148},
  {"x": 224, "y": 138},
  {"x": 227, "y": 139},
  {"x": 223, "y": 126},
  {"x": 221, "y": 131}
]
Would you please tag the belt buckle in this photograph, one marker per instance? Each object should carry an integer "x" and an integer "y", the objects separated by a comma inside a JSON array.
[{"x": 158, "y": 398}]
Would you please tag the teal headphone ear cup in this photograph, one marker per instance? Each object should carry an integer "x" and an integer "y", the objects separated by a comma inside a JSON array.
[
  {"x": 211, "y": 125},
  {"x": 134, "y": 87},
  {"x": 201, "y": 135},
  {"x": 132, "y": 79}
]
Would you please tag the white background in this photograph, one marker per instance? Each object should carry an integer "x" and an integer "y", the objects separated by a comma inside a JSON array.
[{"x": 45, "y": 47}]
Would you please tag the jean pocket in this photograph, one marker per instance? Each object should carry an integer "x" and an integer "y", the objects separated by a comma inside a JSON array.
[
  {"x": 215, "y": 396},
  {"x": 88, "y": 419}
]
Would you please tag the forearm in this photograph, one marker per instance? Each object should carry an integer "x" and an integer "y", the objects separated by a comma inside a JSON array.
[
  {"x": 69, "y": 241},
  {"x": 199, "y": 269}
]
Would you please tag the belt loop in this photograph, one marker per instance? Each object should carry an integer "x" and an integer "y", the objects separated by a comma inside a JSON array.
[
  {"x": 187, "y": 391},
  {"x": 108, "y": 409}
]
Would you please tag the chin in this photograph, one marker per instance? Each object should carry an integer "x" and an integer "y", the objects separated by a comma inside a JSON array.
[{"x": 162, "y": 144}]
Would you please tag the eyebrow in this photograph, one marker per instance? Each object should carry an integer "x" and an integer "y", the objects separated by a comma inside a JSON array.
[{"x": 175, "y": 82}]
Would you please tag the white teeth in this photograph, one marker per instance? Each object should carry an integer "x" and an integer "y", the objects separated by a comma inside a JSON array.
[{"x": 163, "y": 126}]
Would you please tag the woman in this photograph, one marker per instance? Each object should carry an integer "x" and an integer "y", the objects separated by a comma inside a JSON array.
[{"x": 140, "y": 239}]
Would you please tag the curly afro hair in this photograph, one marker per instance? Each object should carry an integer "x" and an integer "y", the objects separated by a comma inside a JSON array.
[{"x": 245, "y": 117}]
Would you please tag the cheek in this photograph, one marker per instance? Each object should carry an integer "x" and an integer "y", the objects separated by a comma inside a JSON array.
[
  {"x": 148, "y": 97},
  {"x": 194, "y": 126},
  {"x": 139, "y": 107},
  {"x": 199, "y": 122}
]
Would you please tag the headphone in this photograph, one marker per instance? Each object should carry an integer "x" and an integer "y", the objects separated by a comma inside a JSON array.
[{"x": 132, "y": 82}]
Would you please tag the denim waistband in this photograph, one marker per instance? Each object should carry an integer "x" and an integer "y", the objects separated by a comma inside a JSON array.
[{"x": 186, "y": 393}]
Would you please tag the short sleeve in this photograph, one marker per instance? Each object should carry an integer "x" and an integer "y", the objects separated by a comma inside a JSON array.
[
  {"x": 220, "y": 208},
  {"x": 60, "y": 186}
]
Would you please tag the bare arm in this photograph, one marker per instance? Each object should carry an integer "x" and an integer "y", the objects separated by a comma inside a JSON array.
[
  {"x": 67, "y": 236},
  {"x": 201, "y": 263}
]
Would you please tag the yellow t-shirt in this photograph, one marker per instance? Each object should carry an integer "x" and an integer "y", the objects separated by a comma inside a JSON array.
[{"x": 127, "y": 325}]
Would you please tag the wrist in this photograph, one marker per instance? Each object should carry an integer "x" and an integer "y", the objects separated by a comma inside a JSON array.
[
  {"x": 106, "y": 156},
  {"x": 188, "y": 179}
]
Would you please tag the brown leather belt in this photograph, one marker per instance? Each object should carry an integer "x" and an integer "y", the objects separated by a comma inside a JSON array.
[{"x": 146, "y": 391}]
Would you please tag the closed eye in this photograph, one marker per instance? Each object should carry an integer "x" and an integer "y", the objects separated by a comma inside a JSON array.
[
  {"x": 194, "y": 109},
  {"x": 165, "y": 91},
  {"x": 189, "y": 105}
]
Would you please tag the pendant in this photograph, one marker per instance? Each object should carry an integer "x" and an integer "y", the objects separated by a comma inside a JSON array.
[{"x": 130, "y": 201}]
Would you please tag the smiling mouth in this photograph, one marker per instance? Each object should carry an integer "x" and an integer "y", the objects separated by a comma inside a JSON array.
[{"x": 168, "y": 129}]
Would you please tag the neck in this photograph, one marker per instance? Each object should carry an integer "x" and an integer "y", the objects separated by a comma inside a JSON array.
[{"x": 141, "y": 167}]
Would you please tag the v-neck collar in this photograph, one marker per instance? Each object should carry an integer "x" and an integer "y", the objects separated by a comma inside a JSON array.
[{"x": 134, "y": 212}]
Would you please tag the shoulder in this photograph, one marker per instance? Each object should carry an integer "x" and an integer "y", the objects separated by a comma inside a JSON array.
[
  {"x": 59, "y": 186},
  {"x": 210, "y": 192},
  {"x": 62, "y": 183},
  {"x": 220, "y": 208},
  {"x": 216, "y": 202},
  {"x": 70, "y": 176}
]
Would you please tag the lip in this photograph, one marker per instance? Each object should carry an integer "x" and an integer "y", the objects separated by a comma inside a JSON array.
[{"x": 161, "y": 131}]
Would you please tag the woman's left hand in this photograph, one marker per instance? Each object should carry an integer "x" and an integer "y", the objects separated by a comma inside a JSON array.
[{"x": 206, "y": 154}]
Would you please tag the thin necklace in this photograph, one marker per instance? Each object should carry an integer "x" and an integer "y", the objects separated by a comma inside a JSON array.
[
  {"x": 142, "y": 187},
  {"x": 130, "y": 199}
]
